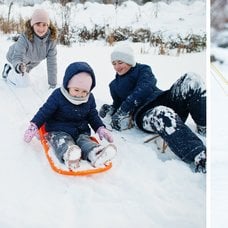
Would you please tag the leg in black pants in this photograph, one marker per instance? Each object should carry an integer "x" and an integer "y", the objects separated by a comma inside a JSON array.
[{"x": 167, "y": 114}]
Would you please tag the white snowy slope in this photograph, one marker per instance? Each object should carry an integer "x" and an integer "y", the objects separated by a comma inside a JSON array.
[
  {"x": 219, "y": 147},
  {"x": 144, "y": 187}
]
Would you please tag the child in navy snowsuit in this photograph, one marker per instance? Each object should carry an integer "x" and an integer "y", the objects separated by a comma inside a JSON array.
[
  {"x": 135, "y": 95},
  {"x": 68, "y": 114}
]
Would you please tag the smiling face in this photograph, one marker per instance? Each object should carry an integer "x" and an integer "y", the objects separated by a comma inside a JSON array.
[
  {"x": 40, "y": 28},
  {"x": 120, "y": 67},
  {"x": 78, "y": 92}
]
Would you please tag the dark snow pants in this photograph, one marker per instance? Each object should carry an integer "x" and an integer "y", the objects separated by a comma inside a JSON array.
[{"x": 166, "y": 116}]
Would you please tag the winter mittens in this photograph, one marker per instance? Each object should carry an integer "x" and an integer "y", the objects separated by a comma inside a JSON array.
[
  {"x": 106, "y": 110},
  {"x": 30, "y": 132},
  {"x": 21, "y": 68},
  {"x": 104, "y": 133},
  {"x": 121, "y": 120}
]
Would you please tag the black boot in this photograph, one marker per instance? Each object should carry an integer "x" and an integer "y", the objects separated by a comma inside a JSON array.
[
  {"x": 6, "y": 70},
  {"x": 202, "y": 130},
  {"x": 200, "y": 162}
]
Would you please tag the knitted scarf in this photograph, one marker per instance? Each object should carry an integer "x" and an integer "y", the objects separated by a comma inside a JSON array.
[{"x": 74, "y": 100}]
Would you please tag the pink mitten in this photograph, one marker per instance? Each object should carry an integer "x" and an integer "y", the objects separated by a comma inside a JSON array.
[
  {"x": 30, "y": 132},
  {"x": 104, "y": 133}
]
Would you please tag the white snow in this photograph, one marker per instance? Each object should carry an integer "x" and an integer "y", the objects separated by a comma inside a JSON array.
[
  {"x": 168, "y": 19},
  {"x": 218, "y": 182},
  {"x": 144, "y": 188}
]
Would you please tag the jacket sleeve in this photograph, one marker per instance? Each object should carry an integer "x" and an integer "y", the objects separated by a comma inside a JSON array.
[
  {"x": 46, "y": 111},
  {"x": 116, "y": 101},
  {"x": 52, "y": 64},
  {"x": 93, "y": 117},
  {"x": 145, "y": 86},
  {"x": 17, "y": 51}
]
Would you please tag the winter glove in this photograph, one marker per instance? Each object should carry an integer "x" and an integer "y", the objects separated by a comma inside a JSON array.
[
  {"x": 21, "y": 68},
  {"x": 104, "y": 133},
  {"x": 120, "y": 120},
  {"x": 106, "y": 109},
  {"x": 30, "y": 132}
]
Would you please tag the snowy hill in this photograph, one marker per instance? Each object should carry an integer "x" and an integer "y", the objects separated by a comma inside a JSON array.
[
  {"x": 218, "y": 117},
  {"x": 159, "y": 188},
  {"x": 145, "y": 188}
]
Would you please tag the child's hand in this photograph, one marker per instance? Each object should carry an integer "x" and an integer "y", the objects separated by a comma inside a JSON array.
[
  {"x": 30, "y": 132},
  {"x": 104, "y": 133},
  {"x": 22, "y": 68},
  {"x": 119, "y": 120},
  {"x": 106, "y": 109}
]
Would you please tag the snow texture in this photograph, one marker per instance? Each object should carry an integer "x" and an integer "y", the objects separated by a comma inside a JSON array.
[
  {"x": 154, "y": 116},
  {"x": 217, "y": 189},
  {"x": 189, "y": 84},
  {"x": 145, "y": 188}
]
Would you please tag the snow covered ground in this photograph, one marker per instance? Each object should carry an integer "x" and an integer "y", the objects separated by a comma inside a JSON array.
[
  {"x": 144, "y": 188},
  {"x": 219, "y": 159}
]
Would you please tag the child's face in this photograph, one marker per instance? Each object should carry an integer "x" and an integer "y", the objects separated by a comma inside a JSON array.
[
  {"x": 121, "y": 67},
  {"x": 40, "y": 28},
  {"x": 78, "y": 92}
]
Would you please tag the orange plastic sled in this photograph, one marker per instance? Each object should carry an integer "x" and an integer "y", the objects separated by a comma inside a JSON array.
[{"x": 45, "y": 145}]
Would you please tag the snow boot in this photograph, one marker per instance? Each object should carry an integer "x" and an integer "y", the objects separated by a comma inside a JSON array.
[
  {"x": 72, "y": 157},
  {"x": 200, "y": 162},
  {"x": 6, "y": 70},
  {"x": 102, "y": 155},
  {"x": 202, "y": 130}
]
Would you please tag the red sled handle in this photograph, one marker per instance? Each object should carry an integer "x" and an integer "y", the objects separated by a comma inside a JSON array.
[{"x": 45, "y": 145}]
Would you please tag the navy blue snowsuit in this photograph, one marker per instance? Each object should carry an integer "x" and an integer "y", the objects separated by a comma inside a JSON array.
[
  {"x": 58, "y": 114},
  {"x": 134, "y": 88},
  {"x": 163, "y": 112}
]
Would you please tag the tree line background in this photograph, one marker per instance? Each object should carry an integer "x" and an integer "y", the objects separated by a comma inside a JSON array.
[{"x": 68, "y": 34}]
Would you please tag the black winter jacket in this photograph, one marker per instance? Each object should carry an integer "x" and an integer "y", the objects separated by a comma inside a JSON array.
[{"x": 133, "y": 89}]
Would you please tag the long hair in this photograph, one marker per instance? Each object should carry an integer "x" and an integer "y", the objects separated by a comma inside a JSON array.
[{"x": 29, "y": 32}]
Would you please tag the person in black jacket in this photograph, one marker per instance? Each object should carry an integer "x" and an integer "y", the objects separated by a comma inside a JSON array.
[
  {"x": 68, "y": 114},
  {"x": 137, "y": 99}
]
